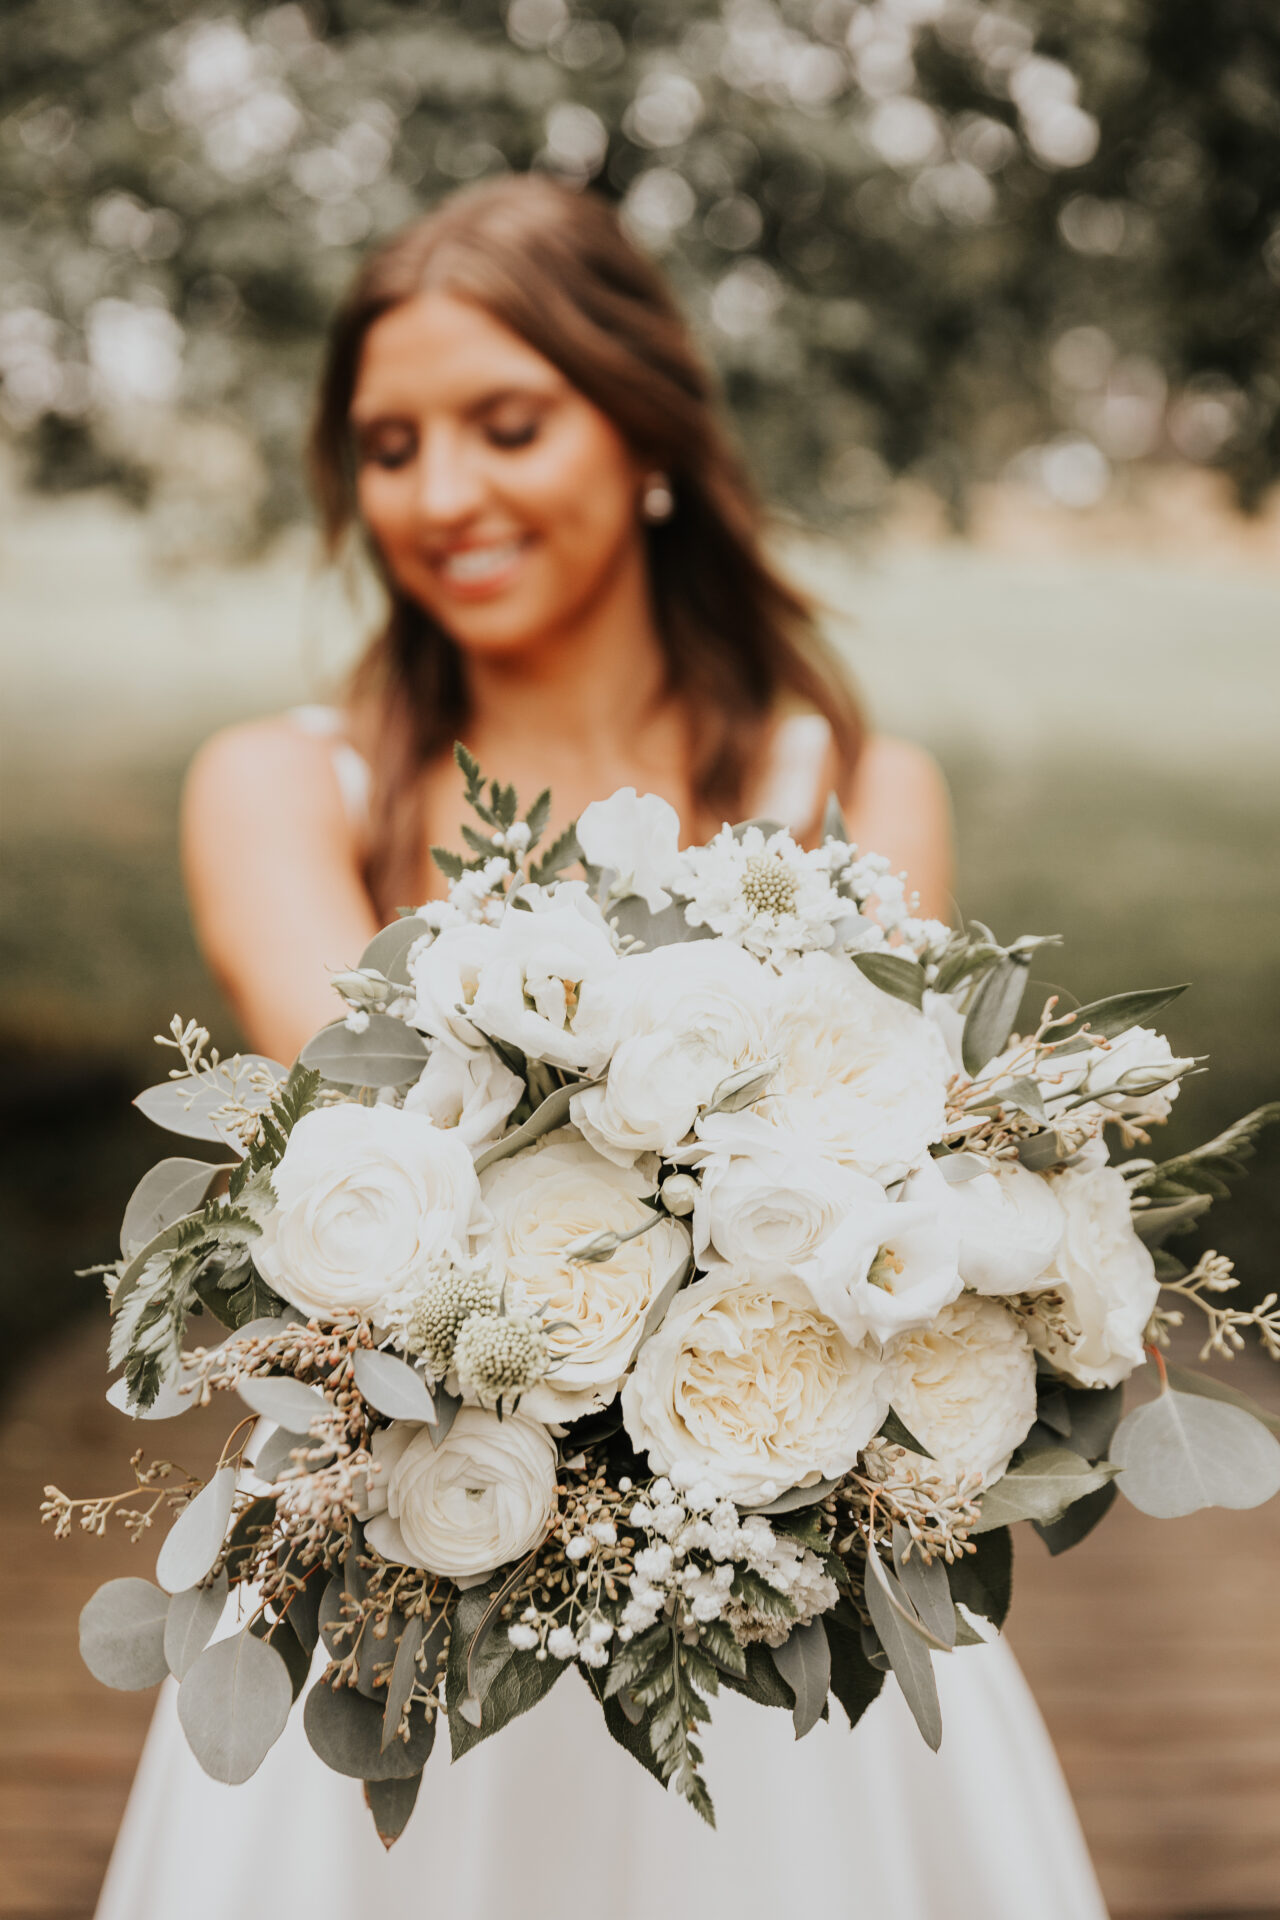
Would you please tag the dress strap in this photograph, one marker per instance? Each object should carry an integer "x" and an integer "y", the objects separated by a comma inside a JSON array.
[
  {"x": 351, "y": 770},
  {"x": 791, "y": 791}
]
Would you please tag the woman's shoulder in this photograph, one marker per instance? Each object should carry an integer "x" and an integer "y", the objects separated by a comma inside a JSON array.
[
  {"x": 287, "y": 764},
  {"x": 889, "y": 766}
]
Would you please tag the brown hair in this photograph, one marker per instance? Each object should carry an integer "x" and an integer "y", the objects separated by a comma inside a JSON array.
[{"x": 556, "y": 266}]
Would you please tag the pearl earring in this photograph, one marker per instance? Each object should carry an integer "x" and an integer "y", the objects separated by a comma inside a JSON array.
[{"x": 657, "y": 501}]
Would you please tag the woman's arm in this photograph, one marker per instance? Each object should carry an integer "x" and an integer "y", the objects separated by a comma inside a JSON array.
[
  {"x": 897, "y": 804},
  {"x": 272, "y": 873}
]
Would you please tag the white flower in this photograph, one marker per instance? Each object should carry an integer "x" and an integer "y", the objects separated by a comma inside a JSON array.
[
  {"x": 368, "y": 1198},
  {"x": 888, "y": 1266},
  {"x": 677, "y": 1022},
  {"x": 468, "y": 1088},
  {"x": 464, "y": 1505},
  {"x": 446, "y": 975},
  {"x": 1008, "y": 1222},
  {"x": 747, "y": 1382},
  {"x": 766, "y": 1201},
  {"x": 767, "y": 893},
  {"x": 1105, "y": 1276},
  {"x": 948, "y": 1018},
  {"x": 635, "y": 838},
  {"x": 533, "y": 978},
  {"x": 966, "y": 1386},
  {"x": 1136, "y": 1074},
  {"x": 862, "y": 1077},
  {"x": 543, "y": 1200}
]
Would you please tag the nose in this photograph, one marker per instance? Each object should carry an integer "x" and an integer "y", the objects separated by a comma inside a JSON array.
[{"x": 450, "y": 489}]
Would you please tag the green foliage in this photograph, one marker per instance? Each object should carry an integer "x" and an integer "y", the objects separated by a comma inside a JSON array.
[
  {"x": 983, "y": 1580},
  {"x": 1202, "y": 1174},
  {"x": 296, "y": 1097},
  {"x": 663, "y": 1677}
]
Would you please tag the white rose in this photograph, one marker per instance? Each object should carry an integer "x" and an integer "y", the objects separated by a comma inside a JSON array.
[
  {"x": 748, "y": 1386},
  {"x": 766, "y": 1200},
  {"x": 446, "y": 975},
  {"x": 862, "y": 1075},
  {"x": 637, "y": 838},
  {"x": 1008, "y": 1223},
  {"x": 966, "y": 1386},
  {"x": 942, "y": 1011},
  {"x": 888, "y": 1266},
  {"x": 367, "y": 1197},
  {"x": 677, "y": 1022},
  {"x": 468, "y": 1088},
  {"x": 533, "y": 978},
  {"x": 544, "y": 1199},
  {"x": 1106, "y": 1278},
  {"x": 461, "y": 1506},
  {"x": 1135, "y": 1075}
]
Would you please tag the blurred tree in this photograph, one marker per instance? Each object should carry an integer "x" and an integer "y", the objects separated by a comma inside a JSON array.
[{"x": 931, "y": 237}]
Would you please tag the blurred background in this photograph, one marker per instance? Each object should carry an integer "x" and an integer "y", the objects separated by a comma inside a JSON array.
[{"x": 992, "y": 290}]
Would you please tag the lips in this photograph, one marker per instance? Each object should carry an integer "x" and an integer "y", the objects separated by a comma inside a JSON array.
[{"x": 481, "y": 566}]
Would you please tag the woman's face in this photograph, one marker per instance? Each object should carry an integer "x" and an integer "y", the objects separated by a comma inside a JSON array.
[{"x": 502, "y": 501}]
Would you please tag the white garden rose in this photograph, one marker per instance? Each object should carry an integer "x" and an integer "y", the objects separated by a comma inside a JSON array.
[
  {"x": 677, "y": 1022},
  {"x": 637, "y": 839},
  {"x": 446, "y": 975},
  {"x": 1008, "y": 1223},
  {"x": 534, "y": 976},
  {"x": 863, "y": 1077},
  {"x": 966, "y": 1386},
  {"x": 543, "y": 1200},
  {"x": 749, "y": 1387},
  {"x": 461, "y": 1506},
  {"x": 1105, "y": 1276},
  {"x": 888, "y": 1266},
  {"x": 766, "y": 1202},
  {"x": 367, "y": 1199},
  {"x": 468, "y": 1088}
]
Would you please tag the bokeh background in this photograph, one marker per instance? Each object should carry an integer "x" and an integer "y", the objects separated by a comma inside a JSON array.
[{"x": 992, "y": 290}]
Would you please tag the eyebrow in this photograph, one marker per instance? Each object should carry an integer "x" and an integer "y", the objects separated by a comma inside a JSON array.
[{"x": 474, "y": 408}]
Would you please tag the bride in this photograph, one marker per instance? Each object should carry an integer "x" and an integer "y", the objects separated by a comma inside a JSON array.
[{"x": 514, "y": 414}]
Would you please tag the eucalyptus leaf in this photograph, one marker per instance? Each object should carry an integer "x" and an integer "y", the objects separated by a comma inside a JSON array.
[
  {"x": 122, "y": 1634},
  {"x": 1184, "y": 1451},
  {"x": 345, "y": 1729},
  {"x": 190, "y": 1621},
  {"x": 166, "y": 1193},
  {"x": 386, "y": 1054},
  {"x": 983, "y": 1580},
  {"x": 553, "y": 1112},
  {"x": 404, "y": 1672},
  {"x": 1119, "y": 1011},
  {"x": 273, "y": 1456},
  {"x": 804, "y": 1661},
  {"x": 447, "y": 1405},
  {"x": 797, "y": 1497},
  {"x": 185, "y": 1105},
  {"x": 233, "y": 1703},
  {"x": 926, "y": 1587},
  {"x": 393, "y": 1387},
  {"x": 195, "y": 1539},
  {"x": 1024, "y": 1094},
  {"x": 281, "y": 1638},
  {"x": 175, "y": 1397},
  {"x": 992, "y": 1012},
  {"x": 659, "y": 1305},
  {"x": 903, "y": 979},
  {"x": 1040, "y": 1151},
  {"x": 388, "y": 952},
  {"x": 906, "y": 1650},
  {"x": 1079, "y": 1520},
  {"x": 633, "y": 920},
  {"x": 1092, "y": 1416},
  {"x": 854, "y": 1681},
  {"x": 1041, "y": 1488},
  {"x": 288, "y": 1402},
  {"x": 1186, "y": 1380},
  {"x": 391, "y": 1802}
]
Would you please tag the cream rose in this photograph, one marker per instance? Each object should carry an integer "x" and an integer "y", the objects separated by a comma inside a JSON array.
[
  {"x": 863, "y": 1077},
  {"x": 966, "y": 1386},
  {"x": 542, "y": 1201},
  {"x": 1008, "y": 1223},
  {"x": 1105, "y": 1276},
  {"x": 748, "y": 1385},
  {"x": 766, "y": 1202},
  {"x": 460, "y": 1507},
  {"x": 534, "y": 976},
  {"x": 367, "y": 1198},
  {"x": 468, "y": 1088}
]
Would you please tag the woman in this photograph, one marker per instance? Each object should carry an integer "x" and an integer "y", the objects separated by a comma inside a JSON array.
[{"x": 513, "y": 412}]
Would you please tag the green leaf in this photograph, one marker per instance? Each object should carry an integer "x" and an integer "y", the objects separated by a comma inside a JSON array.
[
  {"x": 246, "y": 1535},
  {"x": 1044, "y": 1150},
  {"x": 387, "y": 1054},
  {"x": 190, "y": 1622},
  {"x": 1041, "y": 1488},
  {"x": 903, "y": 979},
  {"x": 854, "y": 1681},
  {"x": 393, "y": 1387},
  {"x": 1184, "y": 1451},
  {"x": 1186, "y": 1380},
  {"x": 281, "y": 1638},
  {"x": 345, "y": 1729},
  {"x": 168, "y": 1192},
  {"x": 1118, "y": 1012},
  {"x": 186, "y": 1105},
  {"x": 194, "y": 1541},
  {"x": 761, "y": 1682},
  {"x": 1155, "y": 1225},
  {"x": 983, "y": 1580},
  {"x": 391, "y": 1802},
  {"x": 388, "y": 952},
  {"x": 404, "y": 1672},
  {"x": 1223, "y": 1154},
  {"x": 833, "y": 826},
  {"x": 896, "y": 1430},
  {"x": 1078, "y": 1521},
  {"x": 925, "y": 1587},
  {"x": 992, "y": 1012},
  {"x": 122, "y": 1634},
  {"x": 538, "y": 815},
  {"x": 804, "y": 1661},
  {"x": 562, "y": 853},
  {"x": 518, "y": 1685},
  {"x": 1091, "y": 1416},
  {"x": 233, "y": 1703},
  {"x": 553, "y": 1113},
  {"x": 796, "y": 1498},
  {"x": 289, "y": 1402},
  {"x": 452, "y": 865},
  {"x": 902, "y": 1637}
]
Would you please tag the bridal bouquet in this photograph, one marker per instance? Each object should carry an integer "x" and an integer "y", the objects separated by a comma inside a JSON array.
[{"x": 684, "y": 1273}]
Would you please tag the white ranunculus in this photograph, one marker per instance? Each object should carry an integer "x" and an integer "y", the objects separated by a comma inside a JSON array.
[
  {"x": 464, "y": 1505},
  {"x": 749, "y": 1387},
  {"x": 534, "y": 976},
  {"x": 468, "y": 1088},
  {"x": 966, "y": 1386},
  {"x": 367, "y": 1198},
  {"x": 446, "y": 975},
  {"x": 637, "y": 838},
  {"x": 1105, "y": 1276},
  {"x": 542, "y": 1201},
  {"x": 1008, "y": 1222},
  {"x": 888, "y": 1266},
  {"x": 766, "y": 1202},
  {"x": 677, "y": 1022},
  {"x": 863, "y": 1077}
]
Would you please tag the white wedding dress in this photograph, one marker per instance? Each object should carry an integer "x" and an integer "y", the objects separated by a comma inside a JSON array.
[{"x": 551, "y": 1820}]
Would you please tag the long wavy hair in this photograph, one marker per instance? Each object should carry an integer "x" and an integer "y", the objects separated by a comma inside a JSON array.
[{"x": 556, "y": 266}]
